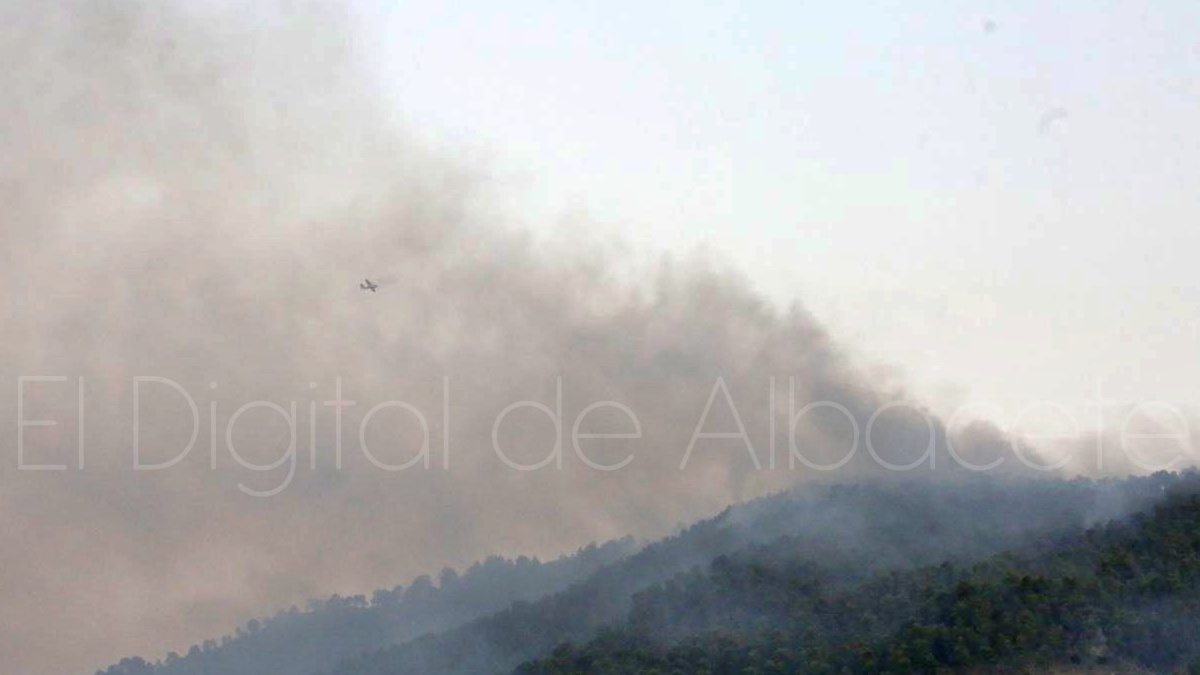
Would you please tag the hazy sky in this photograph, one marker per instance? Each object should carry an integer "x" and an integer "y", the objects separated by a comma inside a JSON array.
[
  {"x": 987, "y": 203},
  {"x": 996, "y": 197}
]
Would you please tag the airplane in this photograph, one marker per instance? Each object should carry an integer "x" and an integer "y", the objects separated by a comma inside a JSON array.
[{"x": 367, "y": 285}]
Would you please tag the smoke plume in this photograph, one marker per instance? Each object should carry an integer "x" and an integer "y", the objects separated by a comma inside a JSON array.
[{"x": 192, "y": 194}]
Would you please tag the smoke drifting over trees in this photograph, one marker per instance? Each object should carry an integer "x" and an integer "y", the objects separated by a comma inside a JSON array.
[{"x": 192, "y": 193}]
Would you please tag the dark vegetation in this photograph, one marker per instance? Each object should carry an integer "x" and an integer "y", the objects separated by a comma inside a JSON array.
[
  {"x": 898, "y": 577},
  {"x": 1126, "y": 592},
  {"x": 301, "y": 642}
]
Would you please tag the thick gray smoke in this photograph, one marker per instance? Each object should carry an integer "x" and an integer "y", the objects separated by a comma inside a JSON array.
[{"x": 192, "y": 194}]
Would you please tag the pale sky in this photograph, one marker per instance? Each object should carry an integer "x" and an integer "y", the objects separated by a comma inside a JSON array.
[{"x": 999, "y": 199}]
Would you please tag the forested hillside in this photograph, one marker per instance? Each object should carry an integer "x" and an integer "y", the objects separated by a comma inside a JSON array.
[
  {"x": 838, "y": 535},
  {"x": 1126, "y": 592},
  {"x": 306, "y": 641},
  {"x": 898, "y": 576}
]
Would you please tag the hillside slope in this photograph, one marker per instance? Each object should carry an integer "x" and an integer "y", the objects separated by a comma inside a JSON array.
[
  {"x": 1127, "y": 592},
  {"x": 302, "y": 642},
  {"x": 829, "y": 537}
]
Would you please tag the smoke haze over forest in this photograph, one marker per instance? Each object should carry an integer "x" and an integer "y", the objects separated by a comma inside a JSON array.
[{"x": 192, "y": 193}]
